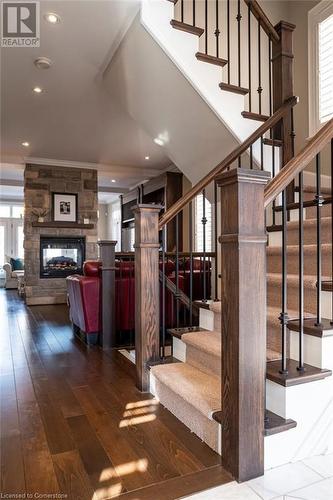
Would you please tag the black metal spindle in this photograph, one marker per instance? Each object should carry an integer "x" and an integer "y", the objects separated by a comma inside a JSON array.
[
  {"x": 193, "y": 12},
  {"x": 215, "y": 243},
  {"x": 182, "y": 11},
  {"x": 319, "y": 202},
  {"x": 217, "y": 31},
  {"x": 177, "y": 271},
  {"x": 262, "y": 153},
  {"x": 163, "y": 292},
  {"x": 249, "y": 56},
  {"x": 273, "y": 175},
  {"x": 204, "y": 222},
  {"x": 206, "y": 26},
  {"x": 301, "y": 273},
  {"x": 251, "y": 157},
  {"x": 259, "y": 65},
  {"x": 239, "y": 18},
  {"x": 190, "y": 234},
  {"x": 284, "y": 315},
  {"x": 228, "y": 38}
]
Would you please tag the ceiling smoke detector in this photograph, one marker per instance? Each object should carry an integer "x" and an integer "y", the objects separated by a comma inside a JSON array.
[{"x": 43, "y": 63}]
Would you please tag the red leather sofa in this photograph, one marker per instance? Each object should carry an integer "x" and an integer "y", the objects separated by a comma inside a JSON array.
[{"x": 84, "y": 296}]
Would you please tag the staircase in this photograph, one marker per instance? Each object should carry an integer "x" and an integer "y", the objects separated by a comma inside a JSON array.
[{"x": 270, "y": 370}]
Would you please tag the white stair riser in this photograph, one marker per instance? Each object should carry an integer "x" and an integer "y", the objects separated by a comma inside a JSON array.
[
  {"x": 317, "y": 351},
  {"x": 311, "y": 405}
]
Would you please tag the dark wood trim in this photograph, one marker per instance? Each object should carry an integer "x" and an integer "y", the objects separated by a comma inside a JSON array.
[
  {"x": 217, "y": 61},
  {"x": 294, "y": 376},
  {"x": 178, "y": 487},
  {"x": 311, "y": 328},
  {"x": 179, "y": 332},
  {"x": 55, "y": 224},
  {"x": 192, "y": 193},
  {"x": 272, "y": 142},
  {"x": 327, "y": 286},
  {"x": 283, "y": 89},
  {"x": 243, "y": 258},
  {"x": 165, "y": 361},
  {"x": 254, "y": 116},
  {"x": 276, "y": 424},
  {"x": 189, "y": 28},
  {"x": 147, "y": 300},
  {"x": 299, "y": 162},
  {"x": 264, "y": 21},
  {"x": 233, "y": 88},
  {"x": 107, "y": 256}
]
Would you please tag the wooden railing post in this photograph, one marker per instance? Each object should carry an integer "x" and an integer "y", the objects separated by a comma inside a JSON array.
[
  {"x": 147, "y": 302},
  {"x": 283, "y": 89},
  {"x": 107, "y": 257},
  {"x": 243, "y": 307}
]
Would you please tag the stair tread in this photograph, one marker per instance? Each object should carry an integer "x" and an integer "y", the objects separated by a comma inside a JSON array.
[
  {"x": 312, "y": 189},
  {"x": 294, "y": 224},
  {"x": 188, "y": 28},
  {"x": 272, "y": 142},
  {"x": 307, "y": 248},
  {"x": 277, "y": 424},
  {"x": 207, "y": 341},
  {"x": 217, "y": 61},
  {"x": 197, "y": 388},
  {"x": 294, "y": 377},
  {"x": 310, "y": 281},
  {"x": 233, "y": 88}
]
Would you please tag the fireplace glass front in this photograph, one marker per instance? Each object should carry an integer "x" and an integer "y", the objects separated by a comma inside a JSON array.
[{"x": 61, "y": 256}]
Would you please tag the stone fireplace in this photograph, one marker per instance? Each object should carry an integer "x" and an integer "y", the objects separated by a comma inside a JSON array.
[{"x": 53, "y": 250}]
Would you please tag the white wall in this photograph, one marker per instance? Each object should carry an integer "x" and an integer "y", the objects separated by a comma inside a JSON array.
[{"x": 102, "y": 221}]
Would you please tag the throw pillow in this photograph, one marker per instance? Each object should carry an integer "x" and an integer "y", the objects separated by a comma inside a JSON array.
[{"x": 17, "y": 264}]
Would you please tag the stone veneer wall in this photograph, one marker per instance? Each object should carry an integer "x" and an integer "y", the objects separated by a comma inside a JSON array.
[{"x": 39, "y": 184}]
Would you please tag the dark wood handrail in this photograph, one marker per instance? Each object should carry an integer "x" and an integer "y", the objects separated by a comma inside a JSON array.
[
  {"x": 264, "y": 21},
  {"x": 233, "y": 156},
  {"x": 299, "y": 162}
]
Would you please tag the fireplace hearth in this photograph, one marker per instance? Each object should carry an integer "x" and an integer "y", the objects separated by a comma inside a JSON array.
[{"x": 61, "y": 256}]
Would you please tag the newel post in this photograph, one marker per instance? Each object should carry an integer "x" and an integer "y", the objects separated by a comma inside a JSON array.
[
  {"x": 283, "y": 88},
  {"x": 147, "y": 302},
  {"x": 243, "y": 254},
  {"x": 107, "y": 257}
]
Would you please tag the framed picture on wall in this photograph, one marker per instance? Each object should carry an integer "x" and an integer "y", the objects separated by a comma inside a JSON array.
[{"x": 64, "y": 207}]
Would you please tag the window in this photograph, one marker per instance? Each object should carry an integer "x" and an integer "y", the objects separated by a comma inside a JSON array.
[
  {"x": 320, "y": 65},
  {"x": 17, "y": 212},
  {"x": 4, "y": 210},
  {"x": 11, "y": 211},
  {"x": 203, "y": 207}
]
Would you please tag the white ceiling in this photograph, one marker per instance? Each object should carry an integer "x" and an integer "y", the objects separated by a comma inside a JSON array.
[{"x": 76, "y": 119}]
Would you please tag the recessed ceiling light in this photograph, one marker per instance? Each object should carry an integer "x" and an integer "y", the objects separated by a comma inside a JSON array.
[
  {"x": 26, "y": 144},
  {"x": 113, "y": 180},
  {"x": 37, "y": 90},
  {"x": 159, "y": 141},
  {"x": 52, "y": 18},
  {"x": 43, "y": 62},
  {"x": 147, "y": 157}
]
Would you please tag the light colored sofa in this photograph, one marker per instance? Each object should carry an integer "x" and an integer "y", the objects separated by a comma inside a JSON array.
[{"x": 11, "y": 277}]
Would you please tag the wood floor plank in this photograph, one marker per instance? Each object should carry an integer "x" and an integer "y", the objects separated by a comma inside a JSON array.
[
  {"x": 72, "y": 477},
  {"x": 95, "y": 459},
  {"x": 57, "y": 431}
]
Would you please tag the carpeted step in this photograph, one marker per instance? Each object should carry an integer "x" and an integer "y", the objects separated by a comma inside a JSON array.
[
  {"x": 216, "y": 308},
  {"x": 310, "y": 227},
  {"x": 274, "y": 282},
  {"x": 274, "y": 261},
  {"x": 203, "y": 351},
  {"x": 192, "y": 396}
]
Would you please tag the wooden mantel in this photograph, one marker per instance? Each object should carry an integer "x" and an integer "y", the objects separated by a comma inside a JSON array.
[{"x": 59, "y": 224}]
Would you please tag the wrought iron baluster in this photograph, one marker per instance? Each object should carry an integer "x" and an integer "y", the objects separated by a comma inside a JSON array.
[
  {"x": 319, "y": 202},
  {"x": 301, "y": 273},
  {"x": 182, "y": 11},
  {"x": 284, "y": 315},
  {"x": 193, "y": 12},
  {"x": 190, "y": 230},
  {"x": 228, "y": 38},
  {"x": 259, "y": 65},
  {"x": 239, "y": 18},
  {"x": 249, "y": 56},
  {"x": 217, "y": 31},
  {"x": 270, "y": 78},
  {"x": 204, "y": 222},
  {"x": 177, "y": 270}
]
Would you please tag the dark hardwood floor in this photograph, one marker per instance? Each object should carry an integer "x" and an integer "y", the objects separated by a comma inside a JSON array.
[{"x": 73, "y": 422}]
